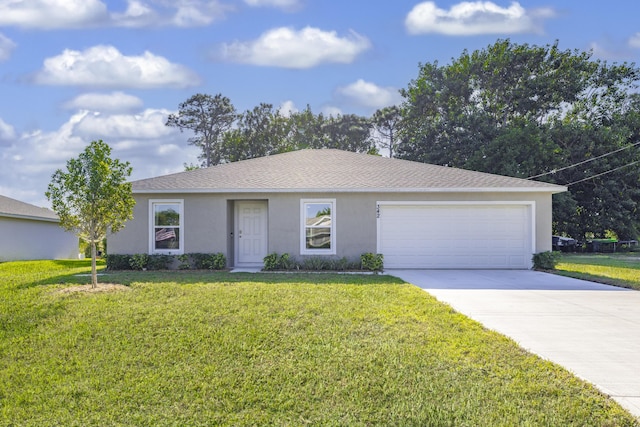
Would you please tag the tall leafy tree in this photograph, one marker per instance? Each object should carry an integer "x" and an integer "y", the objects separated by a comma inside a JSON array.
[
  {"x": 509, "y": 81},
  {"x": 455, "y": 110},
  {"x": 305, "y": 130},
  {"x": 208, "y": 117},
  {"x": 258, "y": 132},
  {"x": 522, "y": 110},
  {"x": 604, "y": 184},
  {"x": 348, "y": 132},
  {"x": 92, "y": 196},
  {"x": 386, "y": 122}
]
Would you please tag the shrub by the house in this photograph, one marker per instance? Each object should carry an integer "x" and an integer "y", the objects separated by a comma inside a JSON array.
[
  {"x": 545, "y": 260},
  {"x": 372, "y": 262},
  {"x": 199, "y": 261},
  {"x": 284, "y": 262}
]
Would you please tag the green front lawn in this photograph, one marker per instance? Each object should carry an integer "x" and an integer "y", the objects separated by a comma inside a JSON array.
[
  {"x": 622, "y": 269},
  {"x": 199, "y": 348}
]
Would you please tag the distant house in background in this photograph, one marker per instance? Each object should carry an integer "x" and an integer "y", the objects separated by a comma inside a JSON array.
[{"x": 30, "y": 232}]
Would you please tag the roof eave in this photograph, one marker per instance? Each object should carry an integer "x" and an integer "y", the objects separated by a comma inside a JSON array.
[
  {"x": 29, "y": 217},
  {"x": 552, "y": 189}
]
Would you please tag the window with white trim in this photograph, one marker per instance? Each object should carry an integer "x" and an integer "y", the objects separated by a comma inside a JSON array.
[
  {"x": 318, "y": 226},
  {"x": 166, "y": 219}
]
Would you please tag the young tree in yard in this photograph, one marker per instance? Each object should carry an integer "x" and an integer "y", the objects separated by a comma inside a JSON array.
[
  {"x": 92, "y": 197},
  {"x": 208, "y": 117}
]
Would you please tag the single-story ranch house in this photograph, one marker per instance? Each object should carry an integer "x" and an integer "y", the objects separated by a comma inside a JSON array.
[
  {"x": 30, "y": 232},
  {"x": 341, "y": 204}
]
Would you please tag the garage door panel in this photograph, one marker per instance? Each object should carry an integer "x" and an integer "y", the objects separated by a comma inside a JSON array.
[
  {"x": 455, "y": 236},
  {"x": 517, "y": 244}
]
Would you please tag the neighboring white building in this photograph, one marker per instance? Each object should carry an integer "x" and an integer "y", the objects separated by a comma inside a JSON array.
[{"x": 30, "y": 232}]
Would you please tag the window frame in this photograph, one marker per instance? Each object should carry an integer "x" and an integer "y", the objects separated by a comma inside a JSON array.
[
  {"x": 152, "y": 226},
  {"x": 303, "y": 228}
]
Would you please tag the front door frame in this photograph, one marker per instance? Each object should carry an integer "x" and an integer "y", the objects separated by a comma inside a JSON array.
[{"x": 237, "y": 233}]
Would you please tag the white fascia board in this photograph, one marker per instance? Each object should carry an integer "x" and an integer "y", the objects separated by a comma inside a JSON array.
[
  {"x": 456, "y": 203},
  {"x": 553, "y": 190},
  {"x": 29, "y": 217}
]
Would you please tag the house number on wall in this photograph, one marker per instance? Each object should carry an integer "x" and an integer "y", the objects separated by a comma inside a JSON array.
[{"x": 377, "y": 211}]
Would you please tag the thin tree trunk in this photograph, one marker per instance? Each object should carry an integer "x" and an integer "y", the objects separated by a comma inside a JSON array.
[{"x": 94, "y": 272}]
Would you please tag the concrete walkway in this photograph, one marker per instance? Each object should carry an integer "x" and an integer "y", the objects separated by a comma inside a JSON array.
[{"x": 592, "y": 330}]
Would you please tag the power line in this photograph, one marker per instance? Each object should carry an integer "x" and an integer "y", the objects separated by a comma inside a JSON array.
[
  {"x": 603, "y": 173},
  {"x": 586, "y": 161}
]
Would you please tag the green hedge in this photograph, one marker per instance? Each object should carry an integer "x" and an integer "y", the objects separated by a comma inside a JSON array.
[
  {"x": 284, "y": 262},
  {"x": 218, "y": 261},
  {"x": 118, "y": 262},
  {"x": 142, "y": 261},
  {"x": 545, "y": 260}
]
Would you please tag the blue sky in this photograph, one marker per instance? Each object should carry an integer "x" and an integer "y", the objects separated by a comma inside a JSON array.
[{"x": 73, "y": 71}]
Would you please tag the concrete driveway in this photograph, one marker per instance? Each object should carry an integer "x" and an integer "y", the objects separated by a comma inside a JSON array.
[{"x": 592, "y": 330}]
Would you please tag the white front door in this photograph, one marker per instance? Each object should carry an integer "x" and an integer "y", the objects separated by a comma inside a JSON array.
[{"x": 251, "y": 233}]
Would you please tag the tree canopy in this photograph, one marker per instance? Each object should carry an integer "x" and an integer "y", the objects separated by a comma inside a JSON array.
[
  {"x": 511, "y": 109},
  {"x": 523, "y": 110},
  {"x": 208, "y": 117},
  {"x": 387, "y": 122},
  {"x": 92, "y": 197},
  {"x": 226, "y": 136}
]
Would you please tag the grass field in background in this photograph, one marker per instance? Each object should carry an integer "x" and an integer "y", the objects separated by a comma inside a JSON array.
[
  {"x": 199, "y": 348},
  {"x": 620, "y": 269}
]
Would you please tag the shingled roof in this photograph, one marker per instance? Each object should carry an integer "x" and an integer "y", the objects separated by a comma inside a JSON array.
[
  {"x": 16, "y": 209},
  {"x": 329, "y": 170}
]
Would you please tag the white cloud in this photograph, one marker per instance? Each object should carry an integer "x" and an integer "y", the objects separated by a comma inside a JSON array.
[
  {"x": 30, "y": 159},
  {"x": 331, "y": 110},
  {"x": 287, "y": 108},
  {"x": 149, "y": 124},
  {"x": 282, "y": 4},
  {"x": 52, "y": 14},
  {"x": 142, "y": 139},
  {"x": 6, "y": 47},
  {"x": 288, "y": 48},
  {"x": 104, "y": 102},
  {"x": 137, "y": 14},
  {"x": 634, "y": 41},
  {"x": 105, "y": 66},
  {"x": 472, "y": 18},
  {"x": 49, "y": 14},
  {"x": 611, "y": 51},
  {"x": 7, "y": 132},
  {"x": 599, "y": 51},
  {"x": 370, "y": 95},
  {"x": 192, "y": 13}
]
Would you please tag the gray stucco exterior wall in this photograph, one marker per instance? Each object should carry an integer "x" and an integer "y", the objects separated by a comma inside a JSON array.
[
  {"x": 30, "y": 239},
  {"x": 209, "y": 219}
]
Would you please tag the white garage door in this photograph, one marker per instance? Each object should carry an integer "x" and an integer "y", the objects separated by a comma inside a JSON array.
[{"x": 455, "y": 236}]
